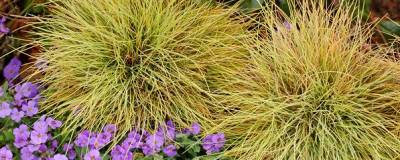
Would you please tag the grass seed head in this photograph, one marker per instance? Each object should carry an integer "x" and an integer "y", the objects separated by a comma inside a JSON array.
[
  {"x": 135, "y": 63},
  {"x": 313, "y": 91}
]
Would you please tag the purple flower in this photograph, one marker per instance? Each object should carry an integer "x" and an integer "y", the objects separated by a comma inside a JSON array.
[
  {"x": 19, "y": 99},
  {"x": 31, "y": 108},
  {"x": 168, "y": 130},
  {"x": 69, "y": 149},
  {"x": 5, "y": 110},
  {"x": 110, "y": 128},
  {"x": 20, "y": 142},
  {"x": 11, "y": 71},
  {"x": 38, "y": 137},
  {"x": 71, "y": 154},
  {"x": 134, "y": 140},
  {"x": 96, "y": 143},
  {"x": 213, "y": 143},
  {"x": 120, "y": 153},
  {"x": 28, "y": 90},
  {"x": 170, "y": 150},
  {"x": 287, "y": 25},
  {"x": 27, "y": 154},
  {"x": 194, "y": 129},
  {"x": 21, "y": 132},
  {"x": 43, "y": 148},
  {"x": 155, "y": 141},
  {"x": 33, "y": 148},
  {"x": 54, "y": 144},
  {"x": 92, "y": 155},
  {"x": 17, "y": 115},
  {"x": 83, "y": 139},
  {"x": 54, "y": 124},
  {"x": 60, "y": 157},
  {"x": 153, "y": 144},
  {"x": 5, "y": 154},
  {"x": 40, "y": 126},
  {"x": 3, "y": 27}
]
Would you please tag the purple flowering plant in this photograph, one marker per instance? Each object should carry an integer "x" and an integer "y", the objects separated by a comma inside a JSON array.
[{"x": 27, "y": 135}]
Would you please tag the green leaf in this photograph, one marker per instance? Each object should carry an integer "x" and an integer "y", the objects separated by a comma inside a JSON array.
[
  {"x": 390, "y": 27},
  {"x": 250, "y": 5},
  {"x": 9, "y": 136},
  {"x": 284, "y": 5}
]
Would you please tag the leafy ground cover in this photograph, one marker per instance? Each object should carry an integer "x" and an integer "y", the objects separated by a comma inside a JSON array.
[{"x": 25, "y": 134}]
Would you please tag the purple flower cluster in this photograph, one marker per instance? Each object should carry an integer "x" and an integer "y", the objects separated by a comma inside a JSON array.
[
  {"x": 26, "y": 95},
  {"x": 92, "y": 140},
  {"x": 37, "y": 142},
  {"x": 25, "y": 103}
]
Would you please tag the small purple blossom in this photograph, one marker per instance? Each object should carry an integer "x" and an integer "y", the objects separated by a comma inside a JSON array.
[
  {"x": 28, "y": 90},
  {"x": 19, "y": 99},
  {"x": 153, "y": 144},
  {"x": 17, "y": 115},
  {"x": 96, "y": 143},
  {"x": 54, "y": 144},
  {"x": 40, "y": 126},
  {"x": 213, "y": 143},
  {"x": 43, "y": 148},
  {"x": 11, "y": 71},
  {"x": 110, "y": 128},
  {"x": 3, "y": 27},
  {"x": 194, "y": 129},
  {"x": 120, "y": 153},
  {"x": 5, "y": 154},
  {"x": 92, "y": 155},
  {"x": 133, "y": 141},
  {"x": 33, "y": 148},
  {"x": 26, "y": 153},
  {"x": 38, "y": 137},
  {"x": 31, "y": 108},
  {"x": 83, "y": 139},
  {"x": 287, "y": 25},
  {"x": 21, "y": 132},
  {"x": 69, "y": 149},
  {"x": 5, "y": 110},
  {"x": 20, "y": 142},
  {"x": 170, "y": 150},
  {"x": 54, "y": 124},
  {"x": 60, "y": 157}
]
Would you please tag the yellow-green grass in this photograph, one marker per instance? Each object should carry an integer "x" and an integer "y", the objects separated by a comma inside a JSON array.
[
  {"x": 136, "y": 63},
  {"x": 314, "y": 91}
]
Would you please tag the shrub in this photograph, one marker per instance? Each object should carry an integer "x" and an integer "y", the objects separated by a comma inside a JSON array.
[
  {"x": 313, "y": 90},
  {"x": 136, "y": 62}
]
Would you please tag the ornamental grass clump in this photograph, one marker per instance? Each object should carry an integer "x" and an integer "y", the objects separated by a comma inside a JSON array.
[
  {"x": 313, "y": 90},
  {"x": 135, "y": 63}
]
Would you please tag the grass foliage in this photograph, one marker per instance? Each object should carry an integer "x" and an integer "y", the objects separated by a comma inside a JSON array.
[
  {"x": 135, "y": 63},
  {"x": 314, "y": 90}
]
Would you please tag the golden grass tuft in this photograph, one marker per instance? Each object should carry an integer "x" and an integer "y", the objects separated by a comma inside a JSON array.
[
  {"x": 135, "y": 63},
  {"x": 314, "y": 91}
]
